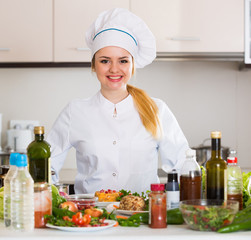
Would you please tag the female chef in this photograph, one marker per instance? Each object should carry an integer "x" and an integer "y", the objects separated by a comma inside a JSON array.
[{"x": 118, "y": 133}]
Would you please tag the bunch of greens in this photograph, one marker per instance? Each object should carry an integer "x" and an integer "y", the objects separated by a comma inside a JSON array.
[
  {"x": 246, "y": 192},
  {"x": 56, "y": 198},
  {"x": 203, "y": 177},
  {"x": 1, "y": 202}
]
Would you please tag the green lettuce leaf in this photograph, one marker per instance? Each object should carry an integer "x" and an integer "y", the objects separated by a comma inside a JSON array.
[{"x": 246, "y": 194}]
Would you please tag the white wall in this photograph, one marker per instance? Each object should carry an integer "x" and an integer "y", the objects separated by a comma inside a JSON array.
[{"x": 204, "y": 96}]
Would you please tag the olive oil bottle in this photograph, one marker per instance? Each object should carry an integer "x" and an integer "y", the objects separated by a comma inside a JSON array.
[
  {"x": 39, "y": 153},
  {"x": 216, "y": 170}
]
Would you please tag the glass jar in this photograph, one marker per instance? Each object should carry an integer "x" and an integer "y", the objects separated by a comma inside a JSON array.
[
  {"x": 42, "y": 203},
  {"x": 157, "y": 206}
]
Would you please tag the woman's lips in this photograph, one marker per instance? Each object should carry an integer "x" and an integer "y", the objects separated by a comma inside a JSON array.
[{"x": 114, "y": 78}]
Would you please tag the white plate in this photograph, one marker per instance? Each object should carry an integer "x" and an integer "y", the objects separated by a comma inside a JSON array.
[
  {"x": 105, "y": 204},
  {"x": 129, "y": 213},
  {"x": 111, "y": 208},
  {"x": 111, "y": 223},
  {"x": 83, "y": 195}
]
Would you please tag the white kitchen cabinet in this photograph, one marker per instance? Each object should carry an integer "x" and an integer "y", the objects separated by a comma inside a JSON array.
[
  {"x": 26, "y": 30},
  {"x": 248, "y": 31},
  {"x": 194, "y": 25},
  {"x": 72, "y": 18}
]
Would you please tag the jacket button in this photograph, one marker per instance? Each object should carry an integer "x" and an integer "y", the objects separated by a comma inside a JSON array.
[
  {"x": 114, "y": 142},
  {"x": 114, "y": 174}
]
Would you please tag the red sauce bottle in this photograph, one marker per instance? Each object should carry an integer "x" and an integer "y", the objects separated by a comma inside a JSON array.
[{"x": 157, "y": 206}]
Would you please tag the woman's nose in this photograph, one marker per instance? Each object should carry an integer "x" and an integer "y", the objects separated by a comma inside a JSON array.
[{"x": 114, "y": 68}]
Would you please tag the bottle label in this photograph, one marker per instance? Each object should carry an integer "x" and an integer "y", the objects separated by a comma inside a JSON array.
[{"x": 173, "y": 199}]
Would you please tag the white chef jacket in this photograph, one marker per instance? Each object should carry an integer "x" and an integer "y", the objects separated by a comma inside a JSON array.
[{"x": 114, "y": 150}]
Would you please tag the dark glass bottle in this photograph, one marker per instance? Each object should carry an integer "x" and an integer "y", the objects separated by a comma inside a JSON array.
[
  {"x": 39, "y": 153},
  {"x": 216, "y": 170}
]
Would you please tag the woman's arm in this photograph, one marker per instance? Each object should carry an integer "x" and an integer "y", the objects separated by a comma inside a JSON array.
[{"x": 58, "y": 138}]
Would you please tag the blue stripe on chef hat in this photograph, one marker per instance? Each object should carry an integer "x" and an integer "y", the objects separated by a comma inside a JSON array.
[
  {"x": 116, "y": 29},
  {"x": 119, "y": 27}
]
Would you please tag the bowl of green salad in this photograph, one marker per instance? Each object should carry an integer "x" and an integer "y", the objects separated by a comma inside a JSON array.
[{"x": 208, "y": 215}]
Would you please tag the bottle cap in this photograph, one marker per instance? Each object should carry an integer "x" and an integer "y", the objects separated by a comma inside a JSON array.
[
  {"x": 232, "y": 160},
  {"x": 39, "y": 130},
  {"x": 216, "y": 134},
  {"x": 13, "y": 158},
  {"x": 157, "y": 187},
  {"x": 21, "y": 160},
  {"x": 172, "y": 176}
]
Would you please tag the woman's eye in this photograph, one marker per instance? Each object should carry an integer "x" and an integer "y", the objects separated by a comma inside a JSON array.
[
  {"x": 104, "y": 61},
  {"x": 124, "y": 61}
]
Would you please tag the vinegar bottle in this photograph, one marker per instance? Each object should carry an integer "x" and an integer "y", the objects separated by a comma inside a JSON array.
[
  {"x": 216, "y": 169},
  {"x": 190, "y": 177},
  {"x": 234, "y": 181},
  {"x": 7, "y": 199},
  {"x": 22, "y": 197},
  {"x": 38, "y": 153}
]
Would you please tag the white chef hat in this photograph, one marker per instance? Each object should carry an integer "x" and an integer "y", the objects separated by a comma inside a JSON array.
[{"x": 121, "y": 28}]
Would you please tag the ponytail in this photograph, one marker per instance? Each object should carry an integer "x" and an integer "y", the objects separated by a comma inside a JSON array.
[{"x": 147, "y": 108}]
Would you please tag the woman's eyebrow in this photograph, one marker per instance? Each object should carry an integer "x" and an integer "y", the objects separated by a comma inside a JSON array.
[{"x": 110, "y": 58}]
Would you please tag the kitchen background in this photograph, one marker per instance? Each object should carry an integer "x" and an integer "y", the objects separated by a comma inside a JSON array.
[{"x": 203, "y": 95}]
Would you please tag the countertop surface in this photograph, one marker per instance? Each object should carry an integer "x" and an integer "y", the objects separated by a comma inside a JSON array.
[{"x": 179, "y": 232}]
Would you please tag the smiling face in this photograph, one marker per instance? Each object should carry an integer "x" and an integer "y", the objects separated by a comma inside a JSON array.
[{"x": 113, "y": 67}]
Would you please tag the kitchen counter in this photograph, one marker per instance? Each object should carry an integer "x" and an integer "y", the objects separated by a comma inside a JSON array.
[{"x": 143, "y": 232}]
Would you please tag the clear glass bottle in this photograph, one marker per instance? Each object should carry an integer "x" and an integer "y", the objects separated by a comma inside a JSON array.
[
  {"x": 216, "y": 171},
  {"x": 190, "y": 177},
  {"x": 157, "y": 206},
  {"x": 7, "y": 193},
  {"x": 22, "y": 197},
  {"x": 234, "y": 181},
  {"x": 38, "y": 153},
  {"x": 172, "y": 190}
]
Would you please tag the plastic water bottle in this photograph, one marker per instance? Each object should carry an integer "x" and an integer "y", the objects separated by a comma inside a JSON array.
[
  {"x": 234, "y": 181},
  {"x": 9, "y": 175},
  {"x": 22, "y": 197}
]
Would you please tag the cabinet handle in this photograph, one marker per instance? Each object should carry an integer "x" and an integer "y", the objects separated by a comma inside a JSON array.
[
  {"x": 83, "y": 49},
  {"x": 185, "y": 39},
  {"x": 4, "y": 49}
]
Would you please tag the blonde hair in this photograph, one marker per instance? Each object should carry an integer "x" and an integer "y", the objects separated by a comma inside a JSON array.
[{"x": 147, "y": 108}]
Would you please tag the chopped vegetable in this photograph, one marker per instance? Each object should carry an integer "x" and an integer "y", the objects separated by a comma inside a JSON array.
[{"x": 205, "y": 218}]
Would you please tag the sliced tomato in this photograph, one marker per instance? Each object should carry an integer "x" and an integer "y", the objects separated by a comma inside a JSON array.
[{"x": 86, "y": 219}]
